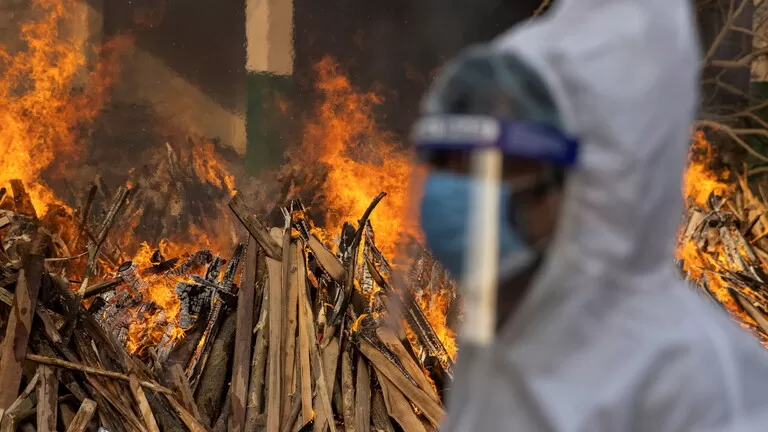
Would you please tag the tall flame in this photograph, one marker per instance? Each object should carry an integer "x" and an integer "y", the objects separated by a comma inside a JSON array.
[
  {"x": 39, "y": 111},
  {"x": 362, "y": 160},
  {"x": 699, "y": 184}
]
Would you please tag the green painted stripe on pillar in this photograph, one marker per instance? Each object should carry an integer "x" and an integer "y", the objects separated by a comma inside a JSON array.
[{"x": 267, "y": 126}]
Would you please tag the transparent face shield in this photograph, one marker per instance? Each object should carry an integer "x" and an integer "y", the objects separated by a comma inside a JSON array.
[{"x": 484, "y": 106}]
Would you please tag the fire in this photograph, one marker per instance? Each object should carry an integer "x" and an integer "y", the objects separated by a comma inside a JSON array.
[
  {"x": 362, "y": 160},
  {"x": 699, "y": 184},
  {"x": 39, "y": 112},
  {"x": 48, "y": 100},
  {"x": 700, "y": 181}
]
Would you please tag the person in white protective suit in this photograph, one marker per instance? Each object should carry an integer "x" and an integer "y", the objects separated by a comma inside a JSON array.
[{"x": 591, "y": 106}]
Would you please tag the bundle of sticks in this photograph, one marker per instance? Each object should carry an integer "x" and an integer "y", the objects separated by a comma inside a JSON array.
[
  {"x": 284, "y": 335},
  {"x": 723, "y": 251}
]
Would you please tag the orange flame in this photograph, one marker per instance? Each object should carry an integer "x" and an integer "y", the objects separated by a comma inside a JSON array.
[
  {"x": 699, "y": 183},
  {"x": 362, "y": 160},
  {"x": 39, "y": 111}
]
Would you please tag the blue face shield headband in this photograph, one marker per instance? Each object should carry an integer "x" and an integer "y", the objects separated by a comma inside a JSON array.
[
  {"x": 446, "y": 132},
  {"x": 445, "y": 206}
]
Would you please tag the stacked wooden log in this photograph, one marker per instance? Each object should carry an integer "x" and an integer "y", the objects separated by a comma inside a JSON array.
[{"x": 282, "y": 335}]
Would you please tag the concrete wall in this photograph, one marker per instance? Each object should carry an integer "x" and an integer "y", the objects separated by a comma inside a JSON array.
[{"x": 188, "y": 61}]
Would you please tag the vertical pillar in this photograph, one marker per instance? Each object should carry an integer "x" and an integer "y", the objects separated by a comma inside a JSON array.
[{"x": 269, "y": 66}]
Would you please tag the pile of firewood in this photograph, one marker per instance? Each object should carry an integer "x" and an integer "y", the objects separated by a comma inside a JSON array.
[
  {"x": 283, "y": 335},
  {"x": 724, "y": 252}
]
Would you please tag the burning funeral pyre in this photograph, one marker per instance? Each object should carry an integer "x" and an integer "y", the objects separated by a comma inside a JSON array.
[
  {"x": 169, "y": 303},
  {"x": 723, "y": 240},
  {"x": 174, "y": 302}
]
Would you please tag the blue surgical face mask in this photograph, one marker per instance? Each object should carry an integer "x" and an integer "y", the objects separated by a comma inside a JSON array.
[{"x": 445, "y": 213}]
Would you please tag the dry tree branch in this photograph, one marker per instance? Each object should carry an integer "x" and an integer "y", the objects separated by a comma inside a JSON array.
[
  {"x": 731, "y": 15},
  {"x": 742, "y": 62},
  {"x": 735, "y": 134},
  {"x": 542, "y": 7}
]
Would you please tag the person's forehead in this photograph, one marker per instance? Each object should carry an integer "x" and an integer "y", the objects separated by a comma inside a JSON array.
[{"x": 460, "y": 161}]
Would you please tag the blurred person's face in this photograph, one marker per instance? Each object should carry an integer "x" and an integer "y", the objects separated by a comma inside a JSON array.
[
  {"x": 537, "y": 208},
  {"x": 530, "y": 200}
]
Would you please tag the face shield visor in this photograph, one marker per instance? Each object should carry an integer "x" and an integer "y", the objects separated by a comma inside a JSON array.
[{"x": 486, "y": 114}]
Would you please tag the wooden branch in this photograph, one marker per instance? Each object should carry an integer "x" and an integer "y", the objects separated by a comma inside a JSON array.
[
  {"x": 243, "y": 336},
  {"x": 258, "y": 366},
  {"x": 31, "y": 386},
  {"x": 291, "y": 281},
  {"x": 741, "y": 62},
  {"x": 102, "y": 287},
  {"x": 293, "y": 415},
  {"x": 214, "y": 378},
  {"x": 94, "y": 371},
  {"x": 420, "y": 399},
  {"x": 223, "y": 422},
  {"x": 83, "y": 416},
  {"x": 183, "y": 391},
  {"x": 275, "y": 271},
  {"x": 330, "y": 357},
  {"x": 306, "y": 322},
  {"x": 348, "y": 390},
  {"x": 255, "y": 227},
  {"x": 402, "y": 300},
  {"x": 542, "y": 7},
  {"x": 392, "y": 342},
  {"x": 318, "y": 371},
  {"x": 398, "y": 407},
  {"x": 14, "y": 346},
  {"x": 143, "y": 404},
  {"x": 188, "y": 419},
  {"x": 327, "y": 260},
  {"x": 66, "y": 413},
  {"x": 734, "y": 135},
  {"x": 21, "y": 199},
  {"x": 47, "y": 392},
  {"x": 94, "y": 248},
  {"x": 731, "y": 18},
  {"x": 362, "y": 397},
  {"x": 379, "y": 414}
]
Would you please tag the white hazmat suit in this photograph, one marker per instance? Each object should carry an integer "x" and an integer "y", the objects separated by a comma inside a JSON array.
[{"x": 609, "y": 339}]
